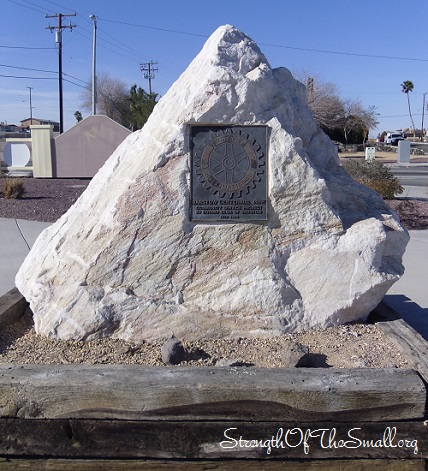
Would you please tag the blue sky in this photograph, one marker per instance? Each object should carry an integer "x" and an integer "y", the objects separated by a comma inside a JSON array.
[{"x": 367, "y": 48}]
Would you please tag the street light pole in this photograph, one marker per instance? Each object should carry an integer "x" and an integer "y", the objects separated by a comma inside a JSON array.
[
  {"x": 94, "y": 76},
  {"x": 31, "y": 107},
  {"x": 423, "y": 114}
]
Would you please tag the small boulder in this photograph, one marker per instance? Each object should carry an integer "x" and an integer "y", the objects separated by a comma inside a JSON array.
[
  {"x": 173, "y": 351},
  {"x": 295, "y": 355}
]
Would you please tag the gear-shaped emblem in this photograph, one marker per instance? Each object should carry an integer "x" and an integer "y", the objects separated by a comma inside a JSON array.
[{"x": 230, "y": 163}]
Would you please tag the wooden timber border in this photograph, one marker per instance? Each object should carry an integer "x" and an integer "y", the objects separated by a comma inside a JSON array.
[{"x": 116, "y": 417}]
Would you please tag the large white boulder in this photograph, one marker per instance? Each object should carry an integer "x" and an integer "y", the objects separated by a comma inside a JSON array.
[{"x": 126, "y": 260}]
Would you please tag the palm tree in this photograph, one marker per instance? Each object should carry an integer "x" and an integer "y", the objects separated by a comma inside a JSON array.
[{"x": 406, "y": 87}]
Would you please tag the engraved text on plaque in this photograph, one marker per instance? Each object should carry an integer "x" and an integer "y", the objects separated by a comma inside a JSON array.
[{"x": 229, "y": 173}]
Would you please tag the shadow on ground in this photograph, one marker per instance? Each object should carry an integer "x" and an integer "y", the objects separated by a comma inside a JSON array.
[{"x": 412, "y": 313}]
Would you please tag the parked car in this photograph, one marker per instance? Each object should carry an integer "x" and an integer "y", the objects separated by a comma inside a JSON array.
[{"x": 392, "y": 138}]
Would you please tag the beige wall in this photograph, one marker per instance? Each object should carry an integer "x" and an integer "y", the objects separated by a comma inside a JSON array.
[
  {"x": 41, "y": 137},
  {"x": 82, "y": 150}
]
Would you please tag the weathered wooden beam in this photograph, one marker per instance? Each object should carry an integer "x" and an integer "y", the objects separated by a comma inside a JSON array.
[
  {"x": 210, "y": 393},
  {"x": 120, "y": 439},
  {"x": 12, "y": 307},
  {"x": 235, "y": 465},
  {"x": 409, "y": 342}
]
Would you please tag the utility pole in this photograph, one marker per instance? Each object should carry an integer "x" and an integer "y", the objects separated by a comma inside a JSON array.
[
  {"x": 31, "y": 107},
  {"x": 423, "y": 114},
  {"x": 310, "y": 89},
  {"x": 58, "y": 40},
  {"x": 149, "y": 70},
  {"x": 94, "y": 74}
]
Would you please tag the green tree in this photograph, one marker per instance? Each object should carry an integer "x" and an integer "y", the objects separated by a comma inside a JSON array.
[
  {"x": 141, "y": 105},
  {"x": 129, "y": 107},
  {"x": 406, "y": 87}
]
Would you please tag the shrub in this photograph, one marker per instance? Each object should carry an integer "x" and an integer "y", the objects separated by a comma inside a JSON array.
[
  {"x": 375, "y": 175},
  {"x": 13, "y": 188}
]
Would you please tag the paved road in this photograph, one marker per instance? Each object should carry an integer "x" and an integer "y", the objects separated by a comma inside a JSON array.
[
  {"x": 420, "y": 145},
  {"x": 411, "y": 175}
]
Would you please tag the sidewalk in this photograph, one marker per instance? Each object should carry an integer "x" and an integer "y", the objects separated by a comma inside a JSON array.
[
  {"x": 408, "y": 296},
  {"x": 414, "y": 192},
  {"x": 17, "y": 237}
]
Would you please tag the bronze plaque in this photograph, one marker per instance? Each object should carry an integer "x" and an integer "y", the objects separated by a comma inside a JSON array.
[{"x": 229, "y": 173}]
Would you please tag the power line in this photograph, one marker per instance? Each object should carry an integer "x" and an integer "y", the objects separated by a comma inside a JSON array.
[
  {"x": 132, "y": 54},
  {"x": 120, "y": 42},
  {"x": 129, "y": 52},
  {"x": 26, "y": 47},
  {"x": 75, "y": 78},
  {"x": 77, "y": 84},
  {"x": 323, "y": 51},
  {"x": 114, "y": 45},
  {"x": 126, "y": 48},
  {"x": 25, "y": 77},
  {"x": 38, "y": 6},
  {"x": 28, "y": 68},
  {"x": 401, "y": 115},
  {"x": 100, "y": 40},
  {"x": 352, "y": 54},
  {"x": 26, "y": 6},
  {"x": 56, "y": 4},
  {"x": 157, "y": 29},
  {"x": 46, "y": 71}
]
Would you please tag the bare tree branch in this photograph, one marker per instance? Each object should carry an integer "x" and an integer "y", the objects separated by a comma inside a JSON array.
[{"x": 112, "y": 97}]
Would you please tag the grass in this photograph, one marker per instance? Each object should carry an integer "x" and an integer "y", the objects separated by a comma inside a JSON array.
[{"x": 13, "y": 188}]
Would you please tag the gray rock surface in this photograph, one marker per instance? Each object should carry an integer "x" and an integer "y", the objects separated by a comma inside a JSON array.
[
  {"x": 173, "y": 352},
  {"x": 126, "y": 261},
  {"x": 296, "y": 355}
]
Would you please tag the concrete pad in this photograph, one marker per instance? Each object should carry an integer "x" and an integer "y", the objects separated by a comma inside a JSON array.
[
  {"x": 414, "y": 192},
  {"x": 15, "y": 243},
  {"x": 31, "y": 229},
  {"x": 409, "y": 296}
]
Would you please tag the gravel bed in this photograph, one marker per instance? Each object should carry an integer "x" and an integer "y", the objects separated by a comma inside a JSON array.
[
  {"x": 354, "y": 345},
  {"x": 413, "y": 213},
  {"x": 44, "y": 199}
]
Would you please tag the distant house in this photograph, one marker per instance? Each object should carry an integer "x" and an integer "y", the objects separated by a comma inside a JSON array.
[
  {"x": 9, "y": 128},
  {"x": 34, "y": 121}
]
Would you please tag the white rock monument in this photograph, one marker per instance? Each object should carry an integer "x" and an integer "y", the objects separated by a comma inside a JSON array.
[{"x": 140, "y": 257}]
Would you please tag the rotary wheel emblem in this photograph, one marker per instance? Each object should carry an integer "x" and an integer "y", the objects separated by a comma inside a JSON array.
[{"x": 230, "y": 163}]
